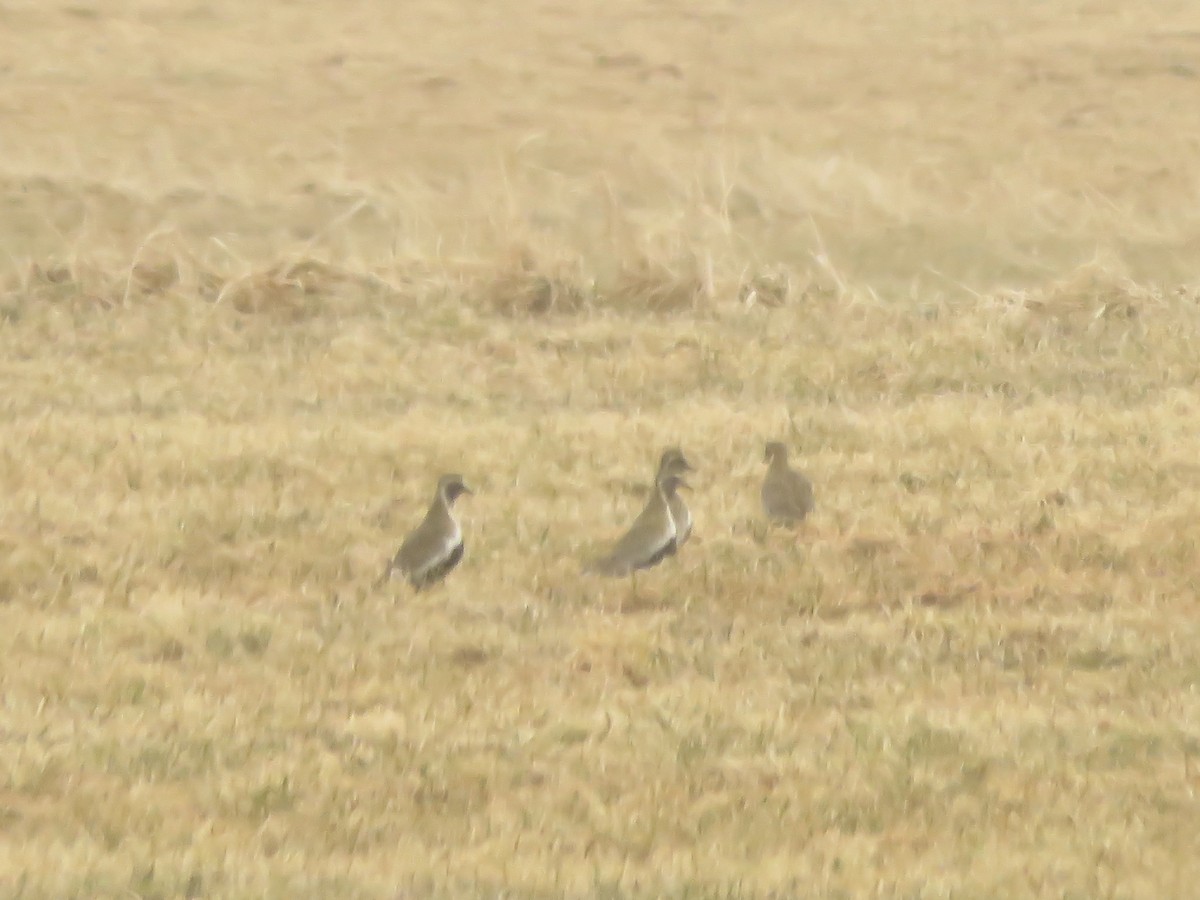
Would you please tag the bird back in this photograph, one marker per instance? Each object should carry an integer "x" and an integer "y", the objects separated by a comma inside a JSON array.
[
  {"x": 787, "y": 495},
  {"x": 433, "y": 548},
  {"x": 648, "y": 541}
]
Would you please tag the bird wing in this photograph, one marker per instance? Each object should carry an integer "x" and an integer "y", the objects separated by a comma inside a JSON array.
[
  {"x": 648, "y": 540},
  {"x": 426, "y": 549},
  {"x": 787, "y": 495},
  {"x": 442, "y": 568}
]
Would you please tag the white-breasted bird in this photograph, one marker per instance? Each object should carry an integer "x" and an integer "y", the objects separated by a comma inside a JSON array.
[
  {"x": 651, "y": 537},
  {"x": 435, "y": 546},
  {"x": 787, "y": 495}
]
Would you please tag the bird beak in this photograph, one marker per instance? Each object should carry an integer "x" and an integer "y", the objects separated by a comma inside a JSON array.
[{"x": 467, "y": 490}]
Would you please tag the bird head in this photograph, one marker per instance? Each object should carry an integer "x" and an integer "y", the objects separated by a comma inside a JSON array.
[
  {"x": 452, "y": 487},
  {"x": 673, "y": 461},
  {"x": 775, "y": 451}
]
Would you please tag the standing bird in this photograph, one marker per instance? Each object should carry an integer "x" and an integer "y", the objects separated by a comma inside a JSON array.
[
  {"x": 435, "y": 546},
  {"x": 649, "y": 540},
  {"x": 673, "y": 462},
  {"x": 787, "y": 495}
]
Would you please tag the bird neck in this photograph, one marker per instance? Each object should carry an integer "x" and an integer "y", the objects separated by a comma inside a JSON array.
[{"x": 441, "y": 508}]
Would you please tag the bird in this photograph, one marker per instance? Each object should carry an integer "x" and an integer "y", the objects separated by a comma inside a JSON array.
[
  {"x": 673, "y": 462},
  {"x": 434, "y": 547},
  {"x": 651, "y": 537},
  {"x": 787, "y": 495}
]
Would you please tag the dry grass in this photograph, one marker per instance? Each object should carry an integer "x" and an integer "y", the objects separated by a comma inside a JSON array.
[{"x": 274, "y": 269}]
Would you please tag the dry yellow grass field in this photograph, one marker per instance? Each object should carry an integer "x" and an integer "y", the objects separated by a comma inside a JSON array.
[{"x": 270, "y": 268}]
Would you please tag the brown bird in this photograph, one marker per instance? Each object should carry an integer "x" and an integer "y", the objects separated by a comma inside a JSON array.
[
  {"x": 787, "y": 495},
  {"x": 435, "y": 546},
  {"x": 649, "y": 540},
  {"x": 673, "y": 462}
]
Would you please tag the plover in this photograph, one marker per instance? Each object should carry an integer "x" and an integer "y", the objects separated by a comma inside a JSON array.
[
  {"x": 435, "y": 546},
  {"x": 787, "y": 495},
  {"x": 651, "y": 537}
]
